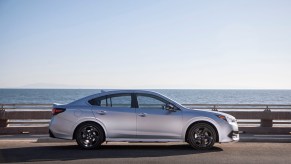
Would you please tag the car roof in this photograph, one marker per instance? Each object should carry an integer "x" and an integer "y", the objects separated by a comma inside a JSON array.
[{"x": 110, "y": 92}]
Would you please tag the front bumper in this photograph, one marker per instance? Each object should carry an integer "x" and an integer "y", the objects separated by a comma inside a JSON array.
[
  {"x": 234, "y": 135},
  {"x": 229, "y": 132}
]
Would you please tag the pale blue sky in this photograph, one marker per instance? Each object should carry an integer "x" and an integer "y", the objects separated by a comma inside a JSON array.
[{"x": 234, "y": 44}]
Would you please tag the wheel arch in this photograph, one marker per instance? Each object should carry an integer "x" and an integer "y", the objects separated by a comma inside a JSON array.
[
  {"x": 86, "y": 122},
  {"x": 202, "y": 121}
]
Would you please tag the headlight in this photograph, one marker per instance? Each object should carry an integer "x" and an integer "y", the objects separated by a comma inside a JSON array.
[
  {"x": 231, "y": 119},
  {"x": 227, "y": 119}
]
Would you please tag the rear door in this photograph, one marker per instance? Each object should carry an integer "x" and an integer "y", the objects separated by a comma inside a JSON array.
[{"x": 116, "y": 113}]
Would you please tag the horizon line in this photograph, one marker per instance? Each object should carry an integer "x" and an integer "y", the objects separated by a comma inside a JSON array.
[{"x": 157, "y": 88}]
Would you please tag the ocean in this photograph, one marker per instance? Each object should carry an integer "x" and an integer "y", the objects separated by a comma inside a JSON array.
[{"x": 184, "y": 96}]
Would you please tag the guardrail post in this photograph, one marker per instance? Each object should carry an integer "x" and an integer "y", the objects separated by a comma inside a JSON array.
[
  {"x": 267, "y": 109},
  {"x": 3, "y": 120},
  {"x": 214, "y": 108},
  {"x": 266, "y": 121}
]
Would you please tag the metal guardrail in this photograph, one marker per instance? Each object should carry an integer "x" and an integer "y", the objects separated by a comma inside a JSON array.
[
  {"x": 26, "y": 106},
  {"x": 24, "y": 118},
  {"x": 252, "y": 118},
  {"x": 255, "y": 118},
  {"x": 217, "y": 107}
]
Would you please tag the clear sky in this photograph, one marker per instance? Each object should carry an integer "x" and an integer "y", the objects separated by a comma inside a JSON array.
[{"x": 197, "y": 44}]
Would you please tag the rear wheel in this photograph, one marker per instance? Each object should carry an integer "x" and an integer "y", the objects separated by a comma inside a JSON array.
[
  {"x": 201, "y": 136},
  {"x": 89, "y": 136}
]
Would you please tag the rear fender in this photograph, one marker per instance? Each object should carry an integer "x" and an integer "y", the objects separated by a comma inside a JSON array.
[{"x": 90, "y": 119}]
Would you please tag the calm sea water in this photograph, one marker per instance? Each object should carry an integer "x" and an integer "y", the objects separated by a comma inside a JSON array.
[{"x": 193, "y": 96}]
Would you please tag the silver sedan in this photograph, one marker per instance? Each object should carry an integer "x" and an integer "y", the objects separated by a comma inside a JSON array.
[{"x": 139, "y": 116}]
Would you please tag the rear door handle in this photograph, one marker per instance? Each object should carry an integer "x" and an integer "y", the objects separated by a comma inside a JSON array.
[
  {"x": 101, "y": 112},
  {"x": 142, "y": 114}
]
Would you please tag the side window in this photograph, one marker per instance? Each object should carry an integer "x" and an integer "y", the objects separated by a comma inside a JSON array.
[
  {"x": 121, "y": 101},
  {"x": 103, "y": 102},
  {"x": 150, "y": 102},
  {"x": 118, "y": 100}
]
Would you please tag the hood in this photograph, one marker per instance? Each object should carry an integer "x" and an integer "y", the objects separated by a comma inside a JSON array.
[{"x": 213, "y": 112}]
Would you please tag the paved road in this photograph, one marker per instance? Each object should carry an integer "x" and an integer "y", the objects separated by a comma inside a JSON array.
[
  {"x": 243, "y": 138},
  {"x": 27, "y": 151}
]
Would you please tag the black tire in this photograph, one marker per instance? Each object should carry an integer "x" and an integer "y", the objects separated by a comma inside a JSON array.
[
  {"x": 89, "y": 136},
  {"x": 201, "y": 136}
]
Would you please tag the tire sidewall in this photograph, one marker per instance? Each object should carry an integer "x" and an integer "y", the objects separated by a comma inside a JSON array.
[
  {"x": 98, "y": 143},
  {"x": 191, "y": 137}
]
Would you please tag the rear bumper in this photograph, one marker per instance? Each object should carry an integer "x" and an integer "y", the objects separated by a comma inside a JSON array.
[
  {"x": 51, "y": 134},
  {"x": 60, "y": 128}
]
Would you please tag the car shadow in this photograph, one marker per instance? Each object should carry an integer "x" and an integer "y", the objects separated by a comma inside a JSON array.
[{"x": 73, "y": 152}]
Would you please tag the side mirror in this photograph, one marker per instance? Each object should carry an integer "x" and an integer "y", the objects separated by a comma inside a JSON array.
[{"x": 170, "y": 107}]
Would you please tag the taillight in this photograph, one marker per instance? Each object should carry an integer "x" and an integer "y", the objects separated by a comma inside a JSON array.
[{"x": 56, "y": 111}]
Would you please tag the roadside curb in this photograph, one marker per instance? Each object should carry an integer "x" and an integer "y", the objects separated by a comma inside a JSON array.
[
  {"x": 243, "y": 138},
  {"x": 52, "y": 140},
  {"x": 265, "y": 138}
]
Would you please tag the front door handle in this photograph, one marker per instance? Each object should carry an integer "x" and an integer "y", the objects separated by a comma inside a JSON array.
[
  {"x": 142, "y": 114},
  {"x": 101, "y": 112}
]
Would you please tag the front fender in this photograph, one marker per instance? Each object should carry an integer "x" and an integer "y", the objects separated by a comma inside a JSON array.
[{"x": 200, "y": 119}]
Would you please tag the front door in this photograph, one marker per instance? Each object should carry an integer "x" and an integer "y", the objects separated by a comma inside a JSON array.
[{"x": 154, "y": 121}]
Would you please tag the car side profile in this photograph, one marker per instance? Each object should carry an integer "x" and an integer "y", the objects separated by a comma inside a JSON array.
[{"x": 139, "y": 116}]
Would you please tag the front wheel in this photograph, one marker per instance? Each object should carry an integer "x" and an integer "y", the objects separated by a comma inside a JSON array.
[
  {"x": 89, "y": 136},
  {"x": 201, "y": 136}
]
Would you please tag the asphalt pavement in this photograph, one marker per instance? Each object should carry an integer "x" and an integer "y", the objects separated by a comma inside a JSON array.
[
  {"x": 42, "y": 149},
  {"x": 69, "y": 152}
]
